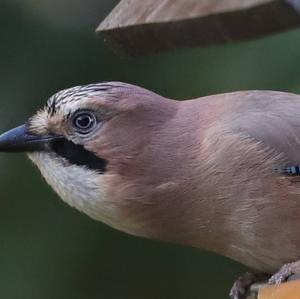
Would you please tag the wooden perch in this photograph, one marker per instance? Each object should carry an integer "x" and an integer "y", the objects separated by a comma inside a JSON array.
[
  {"x": 149, "y": 26},
  {"x": 287, "y": 290}
]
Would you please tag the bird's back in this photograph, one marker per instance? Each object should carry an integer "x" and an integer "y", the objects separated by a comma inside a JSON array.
[{"x": 249, "y": 198}]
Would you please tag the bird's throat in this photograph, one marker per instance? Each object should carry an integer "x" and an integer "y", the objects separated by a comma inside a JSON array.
[{"x": 76, "y": 154}]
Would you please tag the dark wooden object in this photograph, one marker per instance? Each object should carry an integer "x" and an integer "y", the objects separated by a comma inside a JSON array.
[{"x": 149, "y": 26}]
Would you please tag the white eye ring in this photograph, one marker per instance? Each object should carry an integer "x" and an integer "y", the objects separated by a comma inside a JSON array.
[{"x": 84, "y": 122}]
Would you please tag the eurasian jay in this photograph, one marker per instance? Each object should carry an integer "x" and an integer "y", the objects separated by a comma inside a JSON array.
[{"x": 220, "y": 172}]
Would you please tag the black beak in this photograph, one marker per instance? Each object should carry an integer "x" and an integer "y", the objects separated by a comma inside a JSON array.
[{"x": 20, "y": 140}]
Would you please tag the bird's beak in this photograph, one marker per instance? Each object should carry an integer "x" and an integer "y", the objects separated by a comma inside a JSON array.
[{"x": 20, "y": 140}]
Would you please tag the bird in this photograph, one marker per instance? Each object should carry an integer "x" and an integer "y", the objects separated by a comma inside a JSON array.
[{"x": 219, "y": 172}]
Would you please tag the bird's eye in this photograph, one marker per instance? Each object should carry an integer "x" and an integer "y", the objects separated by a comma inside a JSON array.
[{"x": 84, "y": 122}]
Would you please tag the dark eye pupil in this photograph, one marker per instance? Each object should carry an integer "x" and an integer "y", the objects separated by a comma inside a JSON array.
[{"x": 84, "y": 121}]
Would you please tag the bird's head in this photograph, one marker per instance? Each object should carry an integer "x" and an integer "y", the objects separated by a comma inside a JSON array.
[{"x": 95, "y": 145}]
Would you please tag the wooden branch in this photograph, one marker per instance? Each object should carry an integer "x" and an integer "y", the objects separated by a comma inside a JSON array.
[
  {"x": 149, "y": 26},
  {"x": 287, "y": 290}
]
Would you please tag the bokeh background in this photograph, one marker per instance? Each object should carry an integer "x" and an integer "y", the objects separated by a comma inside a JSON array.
[{"x": 48, "y": 250}]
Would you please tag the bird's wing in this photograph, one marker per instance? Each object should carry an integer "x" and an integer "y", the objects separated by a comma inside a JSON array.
[{"x": 271, "y": 118}]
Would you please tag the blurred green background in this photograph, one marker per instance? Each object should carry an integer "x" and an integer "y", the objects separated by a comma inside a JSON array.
[{"x": 48, "y": 250}]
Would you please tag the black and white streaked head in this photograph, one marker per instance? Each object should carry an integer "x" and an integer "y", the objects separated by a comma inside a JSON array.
[{"x": 87, "y": 142}]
